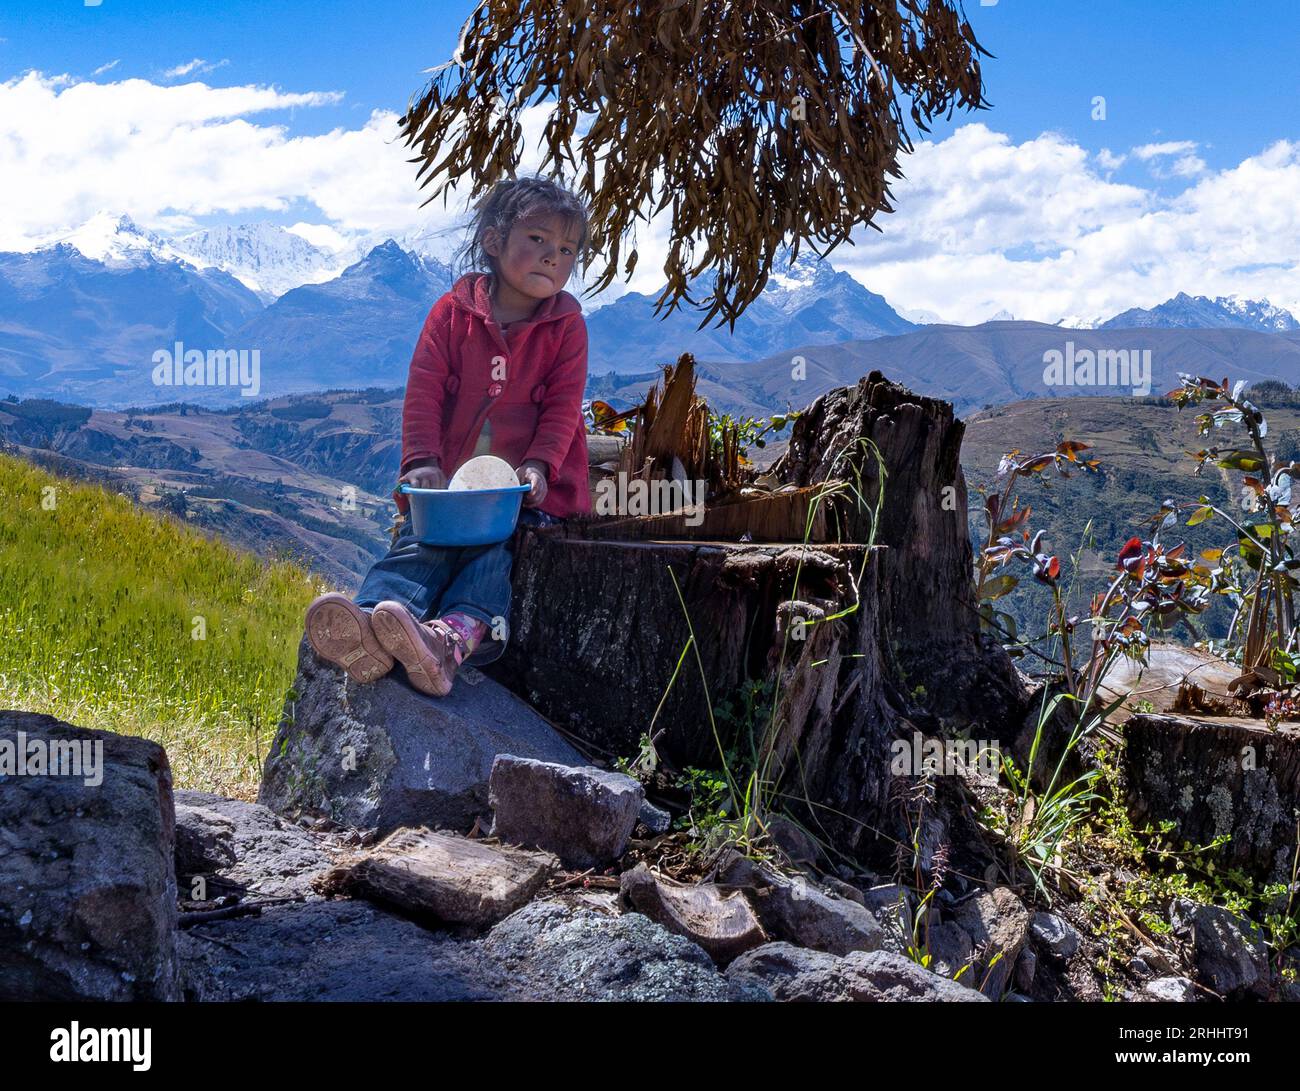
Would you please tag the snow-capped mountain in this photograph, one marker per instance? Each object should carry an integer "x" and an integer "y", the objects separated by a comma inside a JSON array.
[
  {"x": 113, "y": 239},
  {"x": 1185, "y": 312},
  {"x": 1078, "y": 322},
  {"x": 921, "y": 317},
  {"x": 356, "y": 330},
  {"x": 87, "y": 327},
  {"x": 269, "y": 259},
  {"x": 1001, "y": 316},
  {"x": 807, "y": 302}
]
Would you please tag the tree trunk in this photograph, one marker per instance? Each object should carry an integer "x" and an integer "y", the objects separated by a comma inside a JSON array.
[
  {"x": 946, "y": 665},
  {"x": 601, "y": 644}
]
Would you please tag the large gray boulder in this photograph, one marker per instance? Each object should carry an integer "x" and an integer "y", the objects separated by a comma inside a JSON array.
[
  {"x": 795, "y": 973},
  {"x": 87, "y": 891},
  {"x": 383, "y": 756},
  {"x": 582, "y": 814}
]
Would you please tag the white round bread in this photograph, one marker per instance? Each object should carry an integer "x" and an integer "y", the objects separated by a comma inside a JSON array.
[{"x": 483, "y": 472}]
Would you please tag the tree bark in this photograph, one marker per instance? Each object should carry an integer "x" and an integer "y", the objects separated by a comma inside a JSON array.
[
  {"x": 1212, "y": 777},
  {"x": 602, "y": 646}
]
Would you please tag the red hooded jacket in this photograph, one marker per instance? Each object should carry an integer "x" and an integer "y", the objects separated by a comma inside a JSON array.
[{"x": 473, "y": 390}]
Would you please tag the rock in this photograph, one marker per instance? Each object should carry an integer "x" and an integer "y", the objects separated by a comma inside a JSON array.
[
  {"x": 998, "y": 925},
  {"x": 204, "y": 841},
  {"x": 87, "y": 886},
  {"x": 1228, "y": 950},
  {"x": 1026, "y": 967},
  {"x": 384, "y": 756},
  {"x": 723, "y": 924},
  {"x": 582, "y": 814},
  {"x": 794, "y": 910},
  {"x": 557, "y": 952},
  {"x": 272, "y": 858},
  {"x": 444, "y": 876},
  {"x": 1055, "y": 935},
  {"x": 1139, "y": 967},
  {"x": 843, "y": 889},
  {"x": 335, "y": 950},
  {"x": 1170, "y": 988},
  {"x": 950, "y": 949},
  {"x": 653, "y": 818},
  {"x": 799, "y": 846},
  {"x": 794, "y": 973}
]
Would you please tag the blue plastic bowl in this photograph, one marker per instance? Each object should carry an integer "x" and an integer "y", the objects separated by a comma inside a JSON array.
[{"x": 470, "y": 518}]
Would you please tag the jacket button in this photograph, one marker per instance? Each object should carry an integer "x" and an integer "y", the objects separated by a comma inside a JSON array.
[{"x": 495, "y": 390}]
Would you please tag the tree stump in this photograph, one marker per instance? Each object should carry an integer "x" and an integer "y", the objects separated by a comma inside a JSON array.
[
  {"x": 604, "y": 609},
  {"x": 1212, "y": 777}
]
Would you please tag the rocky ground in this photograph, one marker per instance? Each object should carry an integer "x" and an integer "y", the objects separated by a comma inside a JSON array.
[{"x": 403, "y": 850}]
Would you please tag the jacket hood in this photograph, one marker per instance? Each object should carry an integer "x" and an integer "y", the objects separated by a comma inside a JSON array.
[{"x": 472, "y": 293}]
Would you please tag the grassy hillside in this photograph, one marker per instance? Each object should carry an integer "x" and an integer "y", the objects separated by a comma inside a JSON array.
[
  {"x": 1141, "y": 444},
  {"x": 113, "y": 618}
]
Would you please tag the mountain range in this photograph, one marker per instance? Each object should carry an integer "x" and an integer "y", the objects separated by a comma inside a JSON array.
[{"x": 83, "y": 315}]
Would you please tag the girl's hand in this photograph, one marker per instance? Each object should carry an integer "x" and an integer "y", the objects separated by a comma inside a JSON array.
[
  {"x": 425, "y": 477},
  {"x": 533, "y": 473}
]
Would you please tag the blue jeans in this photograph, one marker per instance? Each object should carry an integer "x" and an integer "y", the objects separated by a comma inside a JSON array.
[{"x": 432, "y": 581}]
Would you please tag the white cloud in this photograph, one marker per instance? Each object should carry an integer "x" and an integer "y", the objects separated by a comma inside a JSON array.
[
  {"x": 198, "y": 66},
  {"x": 984, "y": 224},
  {"x": 1169, "y": 147},
  {"x": 1109, "y": 161},
  {"x": 105, "y": 68}
]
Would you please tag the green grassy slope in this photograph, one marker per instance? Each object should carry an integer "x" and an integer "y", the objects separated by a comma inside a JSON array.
[{"x": 101, "y": 607}]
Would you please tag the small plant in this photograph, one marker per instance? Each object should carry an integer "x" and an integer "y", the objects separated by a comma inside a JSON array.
[
  {"x": 1256, "y": 571},
  {"x": 744, "y": 432}
]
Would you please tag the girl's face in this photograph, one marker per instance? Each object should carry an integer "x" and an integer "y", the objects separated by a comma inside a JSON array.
[{"x": 538, "y": 256}]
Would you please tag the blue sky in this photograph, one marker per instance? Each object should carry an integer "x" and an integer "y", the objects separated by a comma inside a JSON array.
[
  {"x": 1194, "y": 93},
  {"x": 1217, "y": 73}
]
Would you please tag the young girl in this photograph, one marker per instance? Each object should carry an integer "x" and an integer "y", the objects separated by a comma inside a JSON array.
[{"x": 499, "y": 369}]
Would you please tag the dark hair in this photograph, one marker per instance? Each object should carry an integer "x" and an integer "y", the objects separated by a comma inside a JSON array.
[{"x": 510, "y": 201}]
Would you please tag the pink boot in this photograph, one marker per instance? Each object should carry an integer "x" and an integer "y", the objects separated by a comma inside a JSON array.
[
  {"x": 426, "y": 649},
  {"x": 340, "y": 631}
]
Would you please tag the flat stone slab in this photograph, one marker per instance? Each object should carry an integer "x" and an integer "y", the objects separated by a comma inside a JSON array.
[
  {"x": 382, "y": 756},
  {"x": 723, "y": 924},
  {"x": 582, "y": 814},
  {"x": 444, "y": 876},
  {"x": 87, "y": 891}
]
